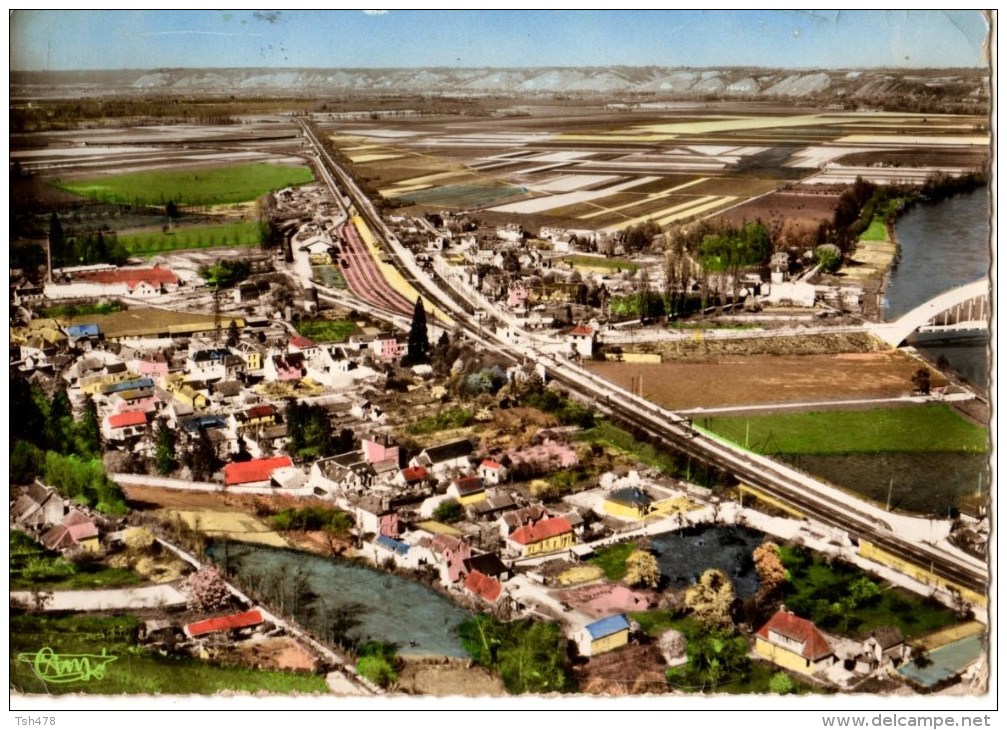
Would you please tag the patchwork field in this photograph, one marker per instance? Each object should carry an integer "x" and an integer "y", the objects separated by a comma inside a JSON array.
[{"x": 602, "y": 170}]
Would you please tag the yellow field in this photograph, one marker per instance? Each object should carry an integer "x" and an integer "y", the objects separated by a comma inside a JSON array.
[
  {"x": 229, "y": 525},
  {"x": 373, "y": 157},
  {"x": 742, "y": 123},
  {"x": 904, "y": 140},
  {"x": 678, "y": 212}
]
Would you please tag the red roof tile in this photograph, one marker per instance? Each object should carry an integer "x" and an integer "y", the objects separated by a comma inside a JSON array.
[
  {"x": 815, "y": 646},
  {"x": 543, "y": 530},
  {"x": 414, "y": 474},
  {"x": 130, "y": 418},
  {"x": 487, "y": 588},
  {"x": 256, "y": 470},
  {"x": 225, "y": 623},
  {"x": 261, "y": 411},
  {"x": 490, "y": 464},
  {"x": 583, "y": 330},
  {"x": 82, "y": 531},
  {"x": 301, "y": 342},
  {"x": 131, "y": 277}
]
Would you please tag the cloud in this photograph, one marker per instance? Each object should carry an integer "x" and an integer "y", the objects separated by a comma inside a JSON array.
[{"x": 375, "y": 12}]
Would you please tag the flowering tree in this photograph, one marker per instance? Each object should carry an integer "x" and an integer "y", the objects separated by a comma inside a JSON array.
[{"x": 206, "y": 590}]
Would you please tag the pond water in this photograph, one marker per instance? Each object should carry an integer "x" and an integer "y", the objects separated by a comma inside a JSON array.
[
  {"x": 417, "y": 618},
  {"x": 686, "y": 554}
]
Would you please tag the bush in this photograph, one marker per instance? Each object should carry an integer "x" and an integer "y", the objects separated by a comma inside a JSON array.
[
  {"x": 377, "y": 670},
  {"x": 828, "y": 257},
  {"x": 448, "y": 511}
]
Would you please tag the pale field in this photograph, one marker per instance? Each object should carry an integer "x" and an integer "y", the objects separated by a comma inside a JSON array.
[
  {"x": 906, "y": 140},
  {"x": 359, "y": 159},
  {"x": 540, "y": 205},
  {"x": 229, "y": 525},
  {"x": 679, "y": 212},
  {"x": 569, "y": 183}
]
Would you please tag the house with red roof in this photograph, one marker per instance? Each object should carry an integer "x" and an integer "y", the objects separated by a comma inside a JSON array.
[
  {"x": 582, "y": 339},
  {"x": 131, "y": 282},
  {"x": 411, "y": 476},
  {"x": 467, "y": 490},
  {"x": 123, "y": 426},
  {"x": 488, "y": 589},
  {"x": 254, "y": 473},
  {"x": 794, "y": 643},
  {"x": 451, "y": 554},
  {"x": 547, "y": 535},
  {"x": 492, "y": 472},
  {"x": 222, "y": 624},
  {"x": 303, "y": 345}
]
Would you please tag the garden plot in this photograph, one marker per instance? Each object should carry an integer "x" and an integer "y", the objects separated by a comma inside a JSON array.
[
  {"x": 228, "y": 525},
  {"x": 569, "y": 183}
]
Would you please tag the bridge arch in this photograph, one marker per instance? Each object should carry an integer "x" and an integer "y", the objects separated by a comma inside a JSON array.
[{"x": 968, "y": 306}]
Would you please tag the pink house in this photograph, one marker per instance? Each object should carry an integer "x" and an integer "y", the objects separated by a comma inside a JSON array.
[
  {"x": 285, "y": 367},
  {"x": 452, "y": 553},
  {"x": 151, "y": 364},
  {"x": 378, "y": 451},
  {"x": 133, "y": 401},
  {"x": 388, "y": 348},
  {"x": 518, "y": 296}
]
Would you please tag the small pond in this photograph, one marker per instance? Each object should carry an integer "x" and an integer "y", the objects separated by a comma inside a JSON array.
[
  {"x": 686, "y": 554},
  {"x": 393, "y": 609}
]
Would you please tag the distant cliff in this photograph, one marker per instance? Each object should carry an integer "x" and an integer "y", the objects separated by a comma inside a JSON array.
[{"x": 951, "y": 90}]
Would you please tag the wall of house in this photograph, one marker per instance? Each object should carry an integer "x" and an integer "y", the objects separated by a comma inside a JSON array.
[
  {"x": 550, "y": 545},
  {"x": 782, "y": 657},
  {"x": 608, "y": 643},
  {"x": 625, "y": 511}
]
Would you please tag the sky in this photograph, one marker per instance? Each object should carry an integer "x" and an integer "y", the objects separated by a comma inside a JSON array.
[{"x": 141, "y": 39}]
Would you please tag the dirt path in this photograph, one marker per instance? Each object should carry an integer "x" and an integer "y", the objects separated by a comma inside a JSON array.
[{"x": 116, "y": 599}]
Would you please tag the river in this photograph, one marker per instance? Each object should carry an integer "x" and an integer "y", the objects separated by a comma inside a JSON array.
[{"x": 941, "y": 246}]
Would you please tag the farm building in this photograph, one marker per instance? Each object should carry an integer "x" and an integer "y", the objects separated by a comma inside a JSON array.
[
  {"x": 224, "y": 624},
  {"x": 548, "y": 535},
  {"x": 603, "y": 635}
]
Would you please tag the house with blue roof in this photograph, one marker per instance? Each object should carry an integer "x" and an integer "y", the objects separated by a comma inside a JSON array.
[
  {"x": 603, "y": 635},
  {"x": 628, "y": 503}
]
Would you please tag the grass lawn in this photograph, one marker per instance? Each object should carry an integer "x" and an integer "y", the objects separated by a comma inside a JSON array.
[
  {"x": 443, "y": 421},
  {"x": 148, "y": 243},
  {"x": 326, "y": 330},
  {"x": 656, "y": 622},
  {"x": 82, "y": 309},
  {"x": 32, "y": 566},
  {"x": 608, "y": 434},
  {"x": 815, "y": 586},
  {"x": 932, "y": 427},
  {"x": 612, "y": 559},
  {"x": 135, "y": 670},
  {"x": 217, "y": 186},
  {"x": 876, "y": 231}
]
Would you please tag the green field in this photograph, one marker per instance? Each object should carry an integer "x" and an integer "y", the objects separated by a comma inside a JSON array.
[
  {"x": 930, "y": 428},
  {"x": 876, "y": 231},
  {"x": 148, "y": 243},
  {"x": 461, "y": 196},
  {"x": 34, "y": 567},
  {"x": 326, "y": 330},
  {"x": 216, "y": 186},
  {"x": 612, "y": 559},
  {"x": 135, "y": 670}
]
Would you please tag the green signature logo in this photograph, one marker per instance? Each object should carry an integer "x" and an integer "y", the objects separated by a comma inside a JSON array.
[{"x": 66, "y": 668}]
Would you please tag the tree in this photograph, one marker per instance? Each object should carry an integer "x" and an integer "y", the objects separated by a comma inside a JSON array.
[
  {"x": 418, "y": 348},
  {"x": 58, "y": 422},
  {"x": 202, "y": 457},
  {"x": 233, "y": 334},
  {"x": 31, "y": 420},
  {"x": 642, "y": 569},
  {"x": 89, "y": 430},
  {"x": 171, "y": 209},
  {"x": 772, "y": 573},
  {"x": 206, "y": 590},
  {"x": 781, "y": 683},
  {"x": 448, "y": 511},
  {"x": 164, "y": 450},
  {"x": 712, "y": 599},
  {"x": 921, "y": 381},
  {"x": 57, "y": 242},
  {"x": 828, "y": 256}
]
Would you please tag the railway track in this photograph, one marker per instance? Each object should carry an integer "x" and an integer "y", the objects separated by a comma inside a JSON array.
[{"x": 812, "y": 498}]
